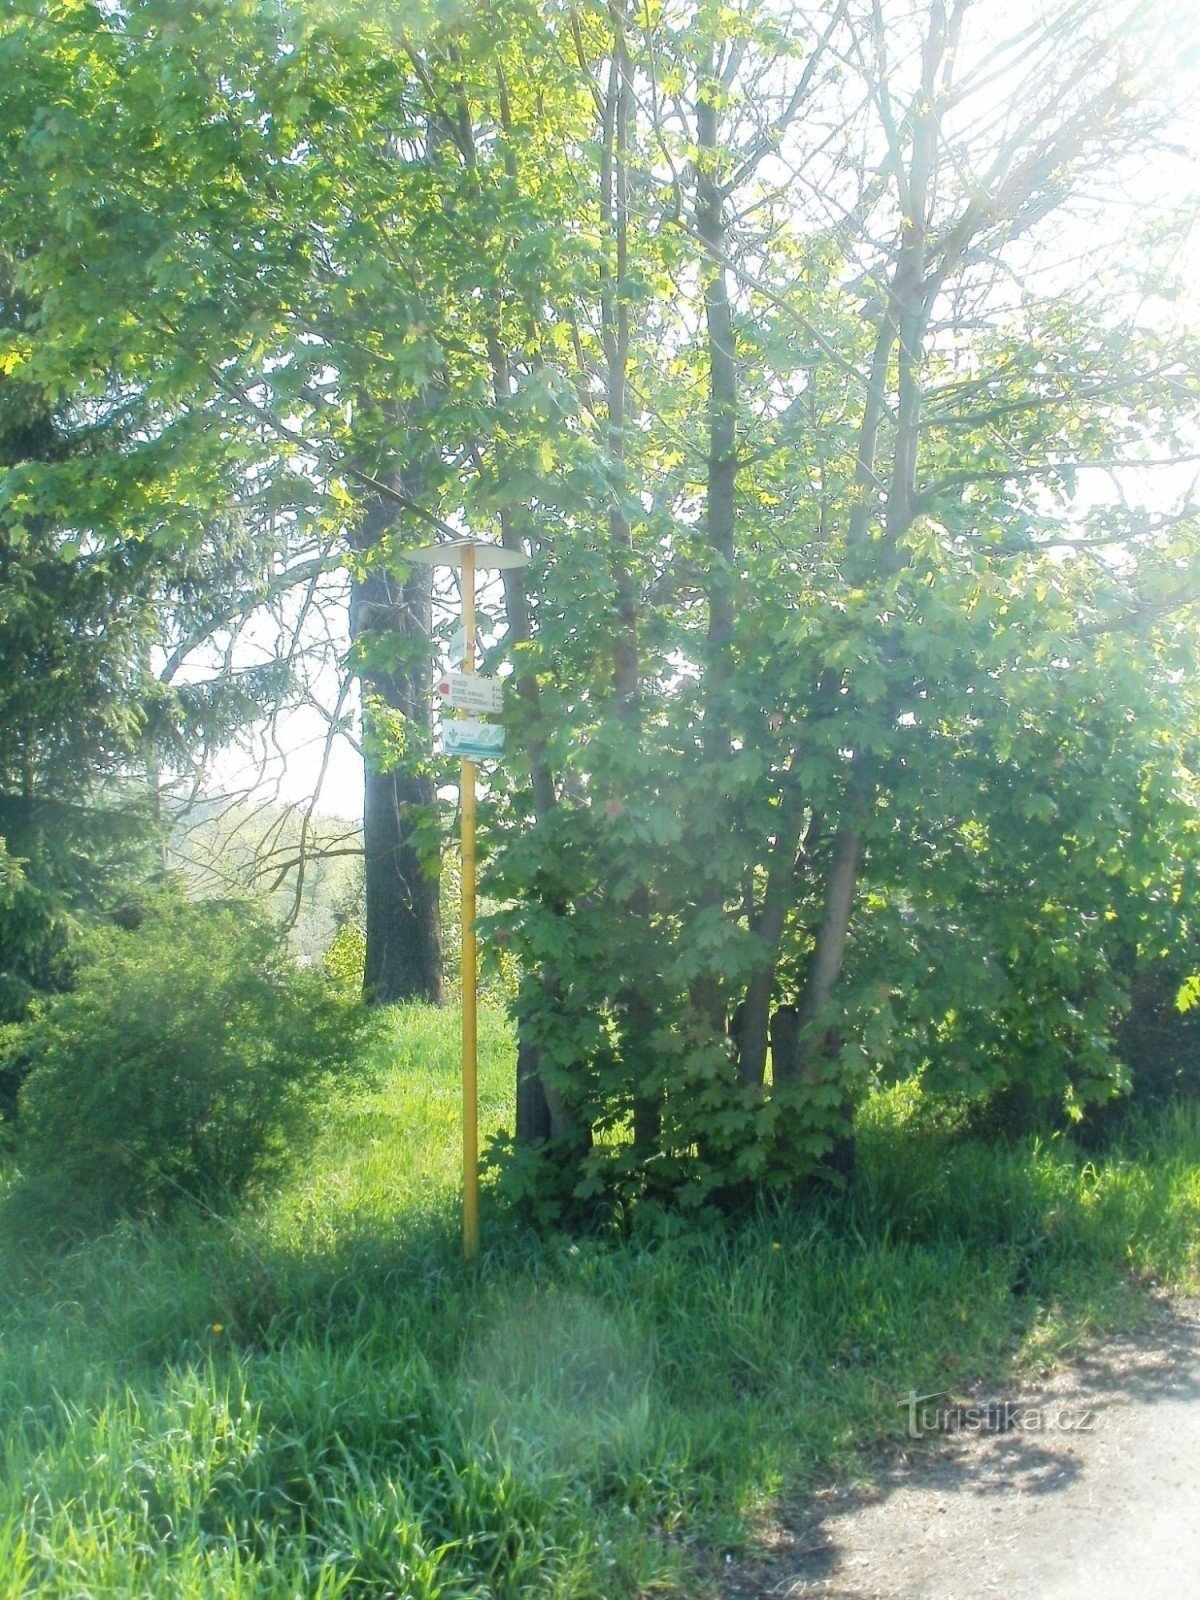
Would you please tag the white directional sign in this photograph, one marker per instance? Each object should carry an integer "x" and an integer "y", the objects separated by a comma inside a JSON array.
[
  {"x": 467, "y": 692},
  {"x": 456, "y": 650},
  {"x": 473, "y": 740}
]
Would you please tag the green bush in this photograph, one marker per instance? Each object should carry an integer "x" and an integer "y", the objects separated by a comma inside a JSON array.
[
  {"x": 345, "y": 960},
  {"x": 185, "y": 1062}
]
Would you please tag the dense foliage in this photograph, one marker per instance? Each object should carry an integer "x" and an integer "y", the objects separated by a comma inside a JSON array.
[
  {"x": 185, "y": 1061},
  {"x": 96, "y": 554},
  {"x": 852, "y": 709}
]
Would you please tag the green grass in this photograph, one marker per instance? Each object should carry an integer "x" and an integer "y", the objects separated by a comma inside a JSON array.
[{"x": 322, "y": 1400}]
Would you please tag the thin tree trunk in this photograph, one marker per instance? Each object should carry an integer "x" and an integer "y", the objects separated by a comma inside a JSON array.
[
  {"x": 754, "y": 1028},
  {"x": 903, "y": 322},
  {"x": 541, "y": 1112},
  {"x": 722, "y": 435},
  {"x": 785, "y": 1054},
  {"x": 633, "y": 1004},
  {"x": 720, "y": 506},
  {"x": 825, "y": 966}
]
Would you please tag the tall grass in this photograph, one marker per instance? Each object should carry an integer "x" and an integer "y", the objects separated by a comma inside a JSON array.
[{"x": 320, "y": 1399}]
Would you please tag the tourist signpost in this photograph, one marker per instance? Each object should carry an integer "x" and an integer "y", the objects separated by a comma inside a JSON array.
[
  {"x": 472, "y": 740},
  {"x": 463, "y": 691}
]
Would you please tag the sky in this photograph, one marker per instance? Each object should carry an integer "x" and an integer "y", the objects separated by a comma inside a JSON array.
[{"x": 287, "y": 766}]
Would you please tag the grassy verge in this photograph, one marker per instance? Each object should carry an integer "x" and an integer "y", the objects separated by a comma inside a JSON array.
[{"x": 322, "y": 1400}]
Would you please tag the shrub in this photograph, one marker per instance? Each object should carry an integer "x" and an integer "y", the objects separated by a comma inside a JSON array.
[
  {"x": 184, "y": 1063},
  {"x": 346, "y": 958}
]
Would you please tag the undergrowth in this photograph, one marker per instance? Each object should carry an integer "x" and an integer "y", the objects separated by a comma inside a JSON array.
[{"x": 318, "y": 1398}]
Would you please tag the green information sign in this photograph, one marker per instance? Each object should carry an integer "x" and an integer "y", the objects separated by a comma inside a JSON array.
[{"x": 473, "y": 740}]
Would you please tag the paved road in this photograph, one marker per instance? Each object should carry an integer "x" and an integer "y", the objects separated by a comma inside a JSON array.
[{"x": 1048, "y": 1509}]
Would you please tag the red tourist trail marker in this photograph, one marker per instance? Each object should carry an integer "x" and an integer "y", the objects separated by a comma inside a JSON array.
[{"x": 465, "y": 692}]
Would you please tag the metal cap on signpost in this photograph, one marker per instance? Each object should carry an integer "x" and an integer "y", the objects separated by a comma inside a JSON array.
[{"x": 472, "y": 740}]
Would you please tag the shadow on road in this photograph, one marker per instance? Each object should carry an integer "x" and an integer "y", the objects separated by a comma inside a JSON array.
[{"x": 984, "y": 1457}]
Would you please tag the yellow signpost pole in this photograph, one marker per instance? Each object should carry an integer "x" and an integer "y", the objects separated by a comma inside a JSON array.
[
  {"x": 471, "y": 556},
  {"x": 470, "y": 1040}
]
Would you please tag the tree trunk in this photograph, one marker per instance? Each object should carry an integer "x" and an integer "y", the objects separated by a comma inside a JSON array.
[
  {"x": 632, "y": 1005},
  {"x": 786, "y": 858},
  {"x": 540, "y": 1114},
  {"x": 403, "y": 913},
  {"x": 403, "y": 916},
  {"x": 826, "y": 964},
  {"x": 785, "y": 1051},
  {"x": 720, "y": 511},
  {"x": 795, "y": 1055},
  {"x": 721, "y": 480},
  {"x": 534, "y": 1123}
]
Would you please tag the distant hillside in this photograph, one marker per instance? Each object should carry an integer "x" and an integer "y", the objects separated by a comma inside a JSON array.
[{"x": 312, "y": 878}]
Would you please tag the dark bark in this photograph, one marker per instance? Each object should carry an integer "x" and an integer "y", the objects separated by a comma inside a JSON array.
[
  {"x": 403, "y": 915},
  {"x": 403, "y": 920},
  {"x": 534, "y": 1124},
  {"x": 769, "y": 925},
  {"x": 785, "y": 1037}
]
